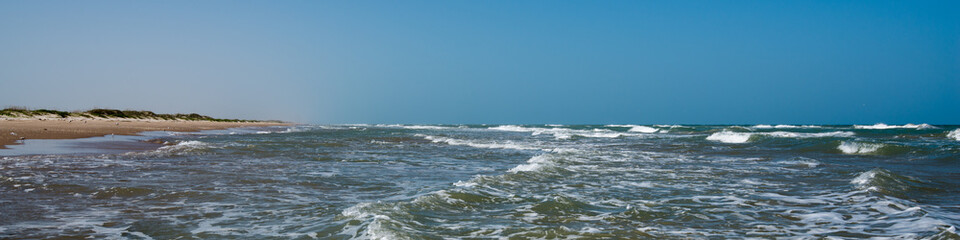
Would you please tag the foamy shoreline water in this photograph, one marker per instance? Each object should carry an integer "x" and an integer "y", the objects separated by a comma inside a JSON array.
[{"x": 499, "y": 181}]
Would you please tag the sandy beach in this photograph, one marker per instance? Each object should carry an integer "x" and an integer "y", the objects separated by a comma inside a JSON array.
[{"x": 13, "y": 129}]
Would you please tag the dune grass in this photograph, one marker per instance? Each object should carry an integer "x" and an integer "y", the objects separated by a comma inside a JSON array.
[{"x": 112, "y": 113}]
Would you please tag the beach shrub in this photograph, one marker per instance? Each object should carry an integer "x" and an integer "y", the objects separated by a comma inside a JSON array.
[
  {"x": 62, "y": 114},
  {"x": 113, "y": 113},
  {"x": 107, "y": 113}
]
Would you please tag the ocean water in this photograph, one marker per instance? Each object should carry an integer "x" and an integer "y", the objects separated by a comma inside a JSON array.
[{"x": 499, "y": 181}]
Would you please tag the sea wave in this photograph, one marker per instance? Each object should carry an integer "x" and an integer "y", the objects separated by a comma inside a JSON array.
[
  {"x": 185, "y": 145},
  {"x": 533, "y": 164},
  {"x": 889, "y": 183},
  {"x": 885, "y": 126},
  {"x": 802, "y": 162},
  {"x": 730, "y": 137},
  {"x": 561, "y": 133},
  {"x": 742, "y": 137},
  {"x": 955, "y": 134},
  {"x": 859, "y": 147},
  {"x": 808, "y": 135},
  {"x": 783, "y": 126},
  {"x": 637, "y": 128},
  {"x": 477, "y": 144}
]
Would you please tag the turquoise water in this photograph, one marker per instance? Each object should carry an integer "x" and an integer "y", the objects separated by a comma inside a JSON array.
[{"x": 499, "y": 181}]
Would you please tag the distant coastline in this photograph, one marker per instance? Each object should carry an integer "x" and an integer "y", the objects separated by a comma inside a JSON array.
[{"x": 19, "y": 124}]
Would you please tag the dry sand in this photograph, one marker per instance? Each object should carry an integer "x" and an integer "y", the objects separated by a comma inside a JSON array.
[{"x": 12, "y": 129}]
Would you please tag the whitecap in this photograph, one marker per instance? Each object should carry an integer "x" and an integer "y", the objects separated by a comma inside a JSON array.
[
  {"x": 955, "y": 134},
  {"x": 643, "y": 129},
  {"x": 863, "y": 180},
  {"x": 464, "y": 184},
  {"x": 637, "y": 128},
  {"x": 476, "y": 144},
  {"x": 809, "y": 135},
  {"x": 730, "y": 137},
  {"x": 533, "y": 164},
  {"x": 885, "y": 126},
  {"x": 560, "y": 133},
  {"x": 186, "y": 145},
  {"x": 512, "y": 128},
  {"x": 858, "y": 147}
]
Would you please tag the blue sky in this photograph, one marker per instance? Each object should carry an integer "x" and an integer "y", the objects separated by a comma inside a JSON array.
[{"x": 735, "y": 62}]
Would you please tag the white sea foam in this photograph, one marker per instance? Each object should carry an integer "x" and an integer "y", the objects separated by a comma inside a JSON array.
[
  {"x": 375, "y": 229},
  {"x": 863, "y": 180},
  {"x": 302, "y": 128},
  {"x": 782, "y": 126},
  {"x": 465, "y": 184},
  {"x": 730, "y": 137},
  {"x": 742, "y": 137},
  {"x": 637, "y": 128},
  {"x": 512, "y": 128},
  {"x": 643, "y": 129},
  {"x": 808, "y": 135},
  {"x": 955, "y": 134},
  {"x": 476, "y": 144},
  {"x": 561, "y": 133},
  {"x": 858, "y": 147},
  {"x": 534, "y": 164},
  {"x": 885, "y": 126},
  {"x": 186, "y": 145}
]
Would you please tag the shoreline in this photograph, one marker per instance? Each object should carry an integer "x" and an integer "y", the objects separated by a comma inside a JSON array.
[{"x": 13, "y": 129}]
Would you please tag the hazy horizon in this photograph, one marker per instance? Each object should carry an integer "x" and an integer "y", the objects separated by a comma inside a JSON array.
[{"x": 500, "y": 62}]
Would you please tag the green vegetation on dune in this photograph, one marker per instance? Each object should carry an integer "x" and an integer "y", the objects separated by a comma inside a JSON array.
[{"x": 113, "y": 113}]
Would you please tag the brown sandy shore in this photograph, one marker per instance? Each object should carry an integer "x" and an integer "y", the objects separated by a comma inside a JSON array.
[{"x": 12, "y": 129}]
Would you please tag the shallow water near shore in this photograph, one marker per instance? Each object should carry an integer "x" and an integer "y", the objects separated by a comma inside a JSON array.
[{"x": 498, "y": 181}]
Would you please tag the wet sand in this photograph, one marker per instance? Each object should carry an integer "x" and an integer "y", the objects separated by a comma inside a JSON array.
[{"x": 11, "y": 130}]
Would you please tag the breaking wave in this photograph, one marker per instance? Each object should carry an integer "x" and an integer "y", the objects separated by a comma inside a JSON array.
[
  {"x": 783, "y": 126},
  {"x": 955, "y": 134},
  {"x": 184, "y": 146},
  {"x": 885, "y": 126},
  {"x": 730, "y": 137},
  {"x": 859, "y": 147},
  {"x": 742, "y": 137},
  {"x": 637, "y": 128},
  {"x": 808, "y": 135},
  {"x": 561, "y": 133},
  {"x": 477, "y": 144},
  {"x": 892, "y": 184}
]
